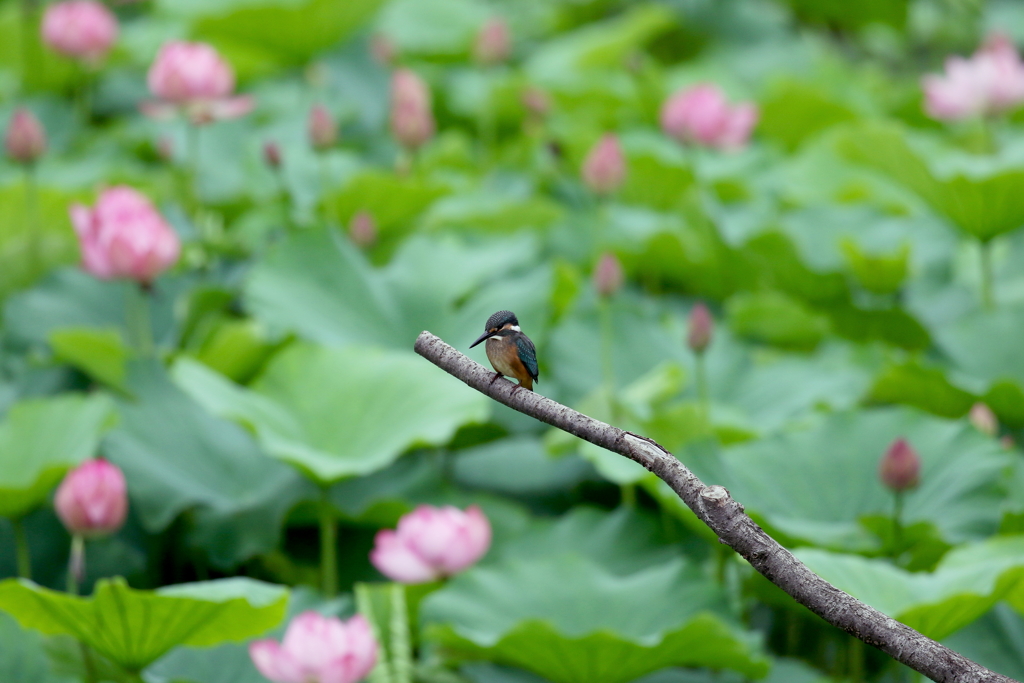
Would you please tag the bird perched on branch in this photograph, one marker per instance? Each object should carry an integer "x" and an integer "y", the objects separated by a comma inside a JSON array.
[{"x": 510, "y": 351}]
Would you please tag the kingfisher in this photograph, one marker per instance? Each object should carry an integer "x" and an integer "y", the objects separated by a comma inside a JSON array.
[{"x": 510, "y": 351}]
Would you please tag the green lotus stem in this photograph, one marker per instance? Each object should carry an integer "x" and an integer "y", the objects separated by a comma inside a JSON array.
[
  {"x": 29, "y": 62},
  {"x": 628, "y": 495},
  {"x": 897, "y": 524},
  {"x": 140, "y": 330},
  {"x": 35, "y": 237},
  {"x": 401, "y": 644},
  {"x": 88, "y": 664},
  {"x": 987, "y": 296},
  {"x": 855, "y": 660},
  {"x": 606, "y": 347},
  {"x": 364, "y": 604},
  {"x": 21, "y": 549},
  {"x": 328, "y": 546},
  {"x": 701, "y": 380},
  {"x": 76, "y": 564}
]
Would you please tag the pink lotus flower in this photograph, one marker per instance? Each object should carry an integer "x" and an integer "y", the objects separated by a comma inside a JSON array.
[
  {"x": 701, "y": 325},
  {"x": 272, "y": 154},
  {"x": 412, "y": 121},
  {"x": 25, "y": 140},
  {"x": 983, "y": 419},
  {"x": 431, "y": 543},
  {"x": 608, "y": 275},
  {"x": 493, "y": 43},
  {"x": 900, "y": 467},
  {"x": 318, "y": 649},
  {"x": 93, "y": 499},
  {"x": 323, "y": 132},
  {"x": 702, "y": 115},
  {"x": 990, "y": 82},
  {"x": 194, "y": 79},
  {"x": 363, "y": 229},
  {"x": 124, "y": 236},
  {"x": 604, "y": 169},
  {"x": 80, "y": 29}
]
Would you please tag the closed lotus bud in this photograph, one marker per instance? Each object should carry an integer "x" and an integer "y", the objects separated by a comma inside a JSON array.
[
  {"x": 124, "y": 236},
  {"x": 604, "y": 169},
  {"x": 318, "y": 649},
  {"x": 608, "y": 274},
  {"x": 363, "y": 229},
  {"x": 93, "y": 499},
  {"x": 701, "y": 326},
  {"x": 25, "y": 140},
  {"x": 983, "y": 419},
  {"x": 431, "y": 543},
  {"x": 272, "y": 154},
  {"x": 900, "y": 467},
  {"x": 412, "y": 121},
  {"x": 323, "y": 132},
  {"x": 701, "y": 115},
  {"x": 493, "y": 42},
  {"x": 80, "y": 29},
  {"x": 536, "y": 102}
]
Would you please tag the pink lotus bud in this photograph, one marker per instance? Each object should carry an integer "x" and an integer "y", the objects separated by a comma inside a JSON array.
[
  {"x": 536, "y": 102},
  {"x": 900, "y": 467},
  {"x": 608, "y": 275},
  {"x": 93, "y": 499},
  {"x": 412, "y": 121},
  {"x": 25, "y": 140},
  {"x": 382, "y": 49},
  {"x": 80, "y": 29},
  {"x": 272, "y": 154},
  {"x": 318, "y": 649},
  {"x": 983, "y": 419},
  {"x": 323, "y": 132},
  {"x": 431, "y": 543},
  {"x": 124, "y": 236},
  {"x": 193, "y": 78},
  {"x": 363, "y": 229},
  {"x": 702, "y": 115},
  {"x": 604, "y": 169},
  {"x": 701, "y": 327},
  {"x": 990, "y": 82},
  {"x": 493, "y": 42}
]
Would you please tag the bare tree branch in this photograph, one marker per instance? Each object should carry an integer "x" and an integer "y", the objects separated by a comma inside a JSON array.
[{"x": 716, "y": 508}]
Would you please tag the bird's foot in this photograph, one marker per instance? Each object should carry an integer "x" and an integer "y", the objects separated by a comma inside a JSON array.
[{"x": 496, "y": 376}]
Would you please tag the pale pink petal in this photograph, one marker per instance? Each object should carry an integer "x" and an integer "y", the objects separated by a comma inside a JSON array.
[
  {"x": 398, "y": 562},
  {"x": 274, "y": 663}
]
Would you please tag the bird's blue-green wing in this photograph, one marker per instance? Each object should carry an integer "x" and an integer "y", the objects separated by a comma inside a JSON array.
[{"x": 528, "y": 354}]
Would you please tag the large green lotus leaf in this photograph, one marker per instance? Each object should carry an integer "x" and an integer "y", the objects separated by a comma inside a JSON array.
[
  {"x": 819, "y": 483},
  {"x": 965, "y": 584},
  {"x": 135, "y": 627},
  {"x": 794, "y": 111},
  {"x": 623, "y": 541},
  {"x": 40, "y": 439},
  {"x": 395, "y": 202},
  {"x": 776, "y": 318},
  {"x": 176, "y": 456},
  {"x": 981, "y": 345},
  {"x": 519, "y": 465},
  {"x": 995, "y": 641},
  {"x": 915, "y": 384},
  {"x": 318, "y": 285},
  {"x": 47, "y": 70},
  {"x": 436, "y": 28},
  {"x": 598, "y": 627},
  {"x": 71, "y": 298},
  {"x": 333, "y": 412},
  {"x": 101, "y": 354},
  {"x": 22, "y": 657},
  {"x": 491, "y": 211},
  {"x": 598, "y": 45},
  {"x": 983, "y": 202},
  {"x": 258, "y": 35},
  {"x": 57, "y": 242}
]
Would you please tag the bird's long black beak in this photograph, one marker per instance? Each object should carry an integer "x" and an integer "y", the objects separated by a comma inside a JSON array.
[{"x": 479, "y": 339}]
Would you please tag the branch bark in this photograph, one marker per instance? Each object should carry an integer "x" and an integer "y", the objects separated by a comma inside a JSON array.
[{"x": 715, "y": 507}]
